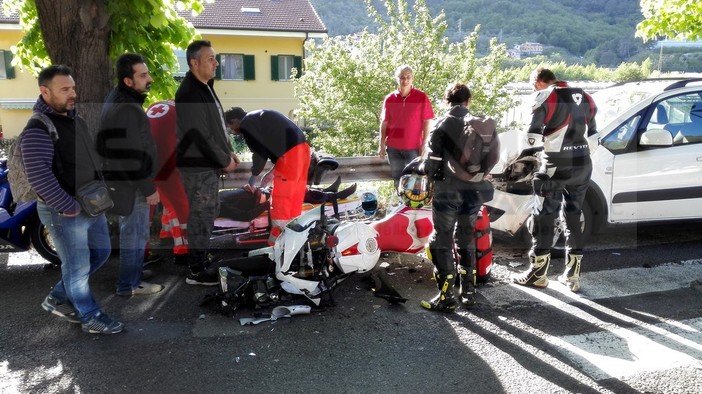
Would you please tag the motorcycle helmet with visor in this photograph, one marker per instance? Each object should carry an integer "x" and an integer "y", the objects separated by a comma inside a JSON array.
[{"x": 415, "y": 190}]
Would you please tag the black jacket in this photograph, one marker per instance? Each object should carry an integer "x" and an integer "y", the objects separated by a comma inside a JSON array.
[
  {"x": 202, "y": 141},
  {"x": 269, "y": 134},
  {"x": 127, "y": 148},
  {"x": 442, "y": 157}
]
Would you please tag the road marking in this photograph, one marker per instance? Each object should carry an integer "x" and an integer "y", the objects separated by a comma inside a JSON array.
[
  {"x": 632, "y": 281},
  {"x": 616, "y": 351},
  {"x": 621, "y": 352},
  {"x": 25, "y": 258}
]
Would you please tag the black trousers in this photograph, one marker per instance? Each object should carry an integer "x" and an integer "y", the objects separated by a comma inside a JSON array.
[
  {"x": 564, "y": 191},
  {"x": 454, "y": 210}
]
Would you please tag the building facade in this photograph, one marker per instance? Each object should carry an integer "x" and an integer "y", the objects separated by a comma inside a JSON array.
[{"x": 260, "y": 43}]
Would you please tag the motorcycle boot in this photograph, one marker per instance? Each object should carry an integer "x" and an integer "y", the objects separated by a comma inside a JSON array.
[
  {"x": 536, "y": 274},
  {"x": 467, "y": 276},
  {"x": 467, "y": 281},
  {"x": 445, "y": 275},
  {"x": 445, "y": 301},
  {"x": 571, "y": 275}
]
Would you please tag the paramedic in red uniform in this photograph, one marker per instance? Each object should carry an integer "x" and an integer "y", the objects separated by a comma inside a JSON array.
[
  {"x": 271, "y": 135},
  {"x": 563, "y": 117},
  {"x": 162, "y": 117}
]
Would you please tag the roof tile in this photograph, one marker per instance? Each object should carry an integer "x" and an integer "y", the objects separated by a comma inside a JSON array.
[{"x": 274, "y": 15}]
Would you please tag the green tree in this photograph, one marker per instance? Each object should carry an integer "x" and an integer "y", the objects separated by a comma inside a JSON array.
[
  {"x": 88, "y": 35},
  {"x": 677, "y": 19},
  {"x": 346, "y": 78}
]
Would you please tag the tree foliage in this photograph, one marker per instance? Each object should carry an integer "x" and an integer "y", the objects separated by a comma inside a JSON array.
[
  {"x": 625, "y": 72},
  {"x": 152, "y": 28},
  {"x": 573, "y": 27},
  {"x": 677, "y": 19},
  {"x": 346, "y": 78}
]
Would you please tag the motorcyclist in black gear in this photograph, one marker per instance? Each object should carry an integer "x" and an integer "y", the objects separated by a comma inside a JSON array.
[
  {"x": 562, "y": 117},
  {"x": 457, "y": 199}
]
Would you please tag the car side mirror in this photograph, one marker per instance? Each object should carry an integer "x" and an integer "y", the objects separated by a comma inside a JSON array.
[{"x": 656, "y": 137}]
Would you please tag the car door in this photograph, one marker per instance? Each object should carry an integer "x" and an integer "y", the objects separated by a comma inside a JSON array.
[{"x": 660, "y": 182}]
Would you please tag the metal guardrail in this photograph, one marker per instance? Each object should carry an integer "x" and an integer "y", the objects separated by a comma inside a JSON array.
[{"x": 351, "y": 169}]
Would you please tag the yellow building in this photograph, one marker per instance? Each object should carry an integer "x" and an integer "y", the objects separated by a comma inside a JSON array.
[{"x": 259, "y": 43}]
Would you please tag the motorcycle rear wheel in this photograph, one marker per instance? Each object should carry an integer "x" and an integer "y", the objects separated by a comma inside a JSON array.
[{"x": 43, "y": 244}]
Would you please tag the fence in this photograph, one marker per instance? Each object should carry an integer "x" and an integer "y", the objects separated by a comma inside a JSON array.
[{"x": 351, "y": 169}]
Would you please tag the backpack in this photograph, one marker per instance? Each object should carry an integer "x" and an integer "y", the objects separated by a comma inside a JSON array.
[
  {"x": 479, "y": 149},
  {"x": 17, "y": 176}
]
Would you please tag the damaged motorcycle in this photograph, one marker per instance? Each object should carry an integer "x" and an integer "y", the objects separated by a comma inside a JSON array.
[{"x": 313, "y": 254}]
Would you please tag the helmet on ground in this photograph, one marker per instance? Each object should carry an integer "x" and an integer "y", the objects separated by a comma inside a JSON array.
[
  {"x": 415, "y": 190},
  {"x": 369, "y": 203}
]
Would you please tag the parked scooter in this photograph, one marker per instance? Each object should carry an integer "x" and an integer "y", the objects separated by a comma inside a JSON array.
[{"x": 20, "y": 227}]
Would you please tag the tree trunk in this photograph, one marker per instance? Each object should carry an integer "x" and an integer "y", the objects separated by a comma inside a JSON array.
[{"x": 77, "y": 34}]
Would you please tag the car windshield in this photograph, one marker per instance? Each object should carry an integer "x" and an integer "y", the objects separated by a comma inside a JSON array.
[
  {"x": 616, "y": 99},
  {"x": 678, "y": 115}
]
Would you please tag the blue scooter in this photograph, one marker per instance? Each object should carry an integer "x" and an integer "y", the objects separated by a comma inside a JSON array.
[{"x": 20, "y": 226}]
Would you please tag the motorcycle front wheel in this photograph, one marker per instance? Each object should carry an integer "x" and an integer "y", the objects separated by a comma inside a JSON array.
[{"x": 42, "y": 243}]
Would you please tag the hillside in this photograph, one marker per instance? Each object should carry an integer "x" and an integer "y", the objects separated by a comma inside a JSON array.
[{"x": 601, "y": 31}]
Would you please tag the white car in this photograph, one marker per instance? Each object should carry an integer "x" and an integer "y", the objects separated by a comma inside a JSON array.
[{"x": 647, "y": 161}]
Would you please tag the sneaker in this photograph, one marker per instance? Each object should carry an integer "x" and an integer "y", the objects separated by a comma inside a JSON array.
[
  {"x": 152, "y": 259},
  {"x": 102, "y": 324},
  {"x": 64, "y": 310},
  {"x": 144, "y": 288},
  {"x": 203, "y": 278}
]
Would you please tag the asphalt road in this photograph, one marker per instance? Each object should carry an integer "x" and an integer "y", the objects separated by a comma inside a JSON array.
[{"x": 634, "y": 328}]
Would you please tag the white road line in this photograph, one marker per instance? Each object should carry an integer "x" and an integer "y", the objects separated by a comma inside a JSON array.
[
  {"x": 504, "y": 364},
  {"x": 616, "y": 351},
  {"x": 621, "y": 352},
  {"x": 632, "y": 281}
]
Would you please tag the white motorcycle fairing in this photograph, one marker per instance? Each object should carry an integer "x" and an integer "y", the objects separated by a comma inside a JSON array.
[{"x": 356, "y": 250}]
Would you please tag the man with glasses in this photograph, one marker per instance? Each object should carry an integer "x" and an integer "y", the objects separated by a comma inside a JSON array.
[{"x": 404, "y": 123}]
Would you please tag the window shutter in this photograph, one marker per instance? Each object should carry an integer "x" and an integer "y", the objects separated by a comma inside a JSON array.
[
  {"x": 9, "y": 70},
  {"x": 249, "y": 68},
  {"x": 275, "y": 75},
  {"x": 297, "y": 63},
  {"x": 218, "y": 73}
]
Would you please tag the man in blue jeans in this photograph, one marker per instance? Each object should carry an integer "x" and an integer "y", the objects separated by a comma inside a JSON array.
[
  {"x": 82, "y": 241},
  {"x": 130, "y": 163}
]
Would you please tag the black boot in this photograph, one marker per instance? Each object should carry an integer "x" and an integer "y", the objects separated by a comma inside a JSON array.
[
  {"x": 467, "y": 280},
  {"x": 445, "y": 300},
  {"x": 466, "y": 274}
]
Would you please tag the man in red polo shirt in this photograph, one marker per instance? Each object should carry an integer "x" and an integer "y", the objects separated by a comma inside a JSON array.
[{"x": 404, "y": 123}]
